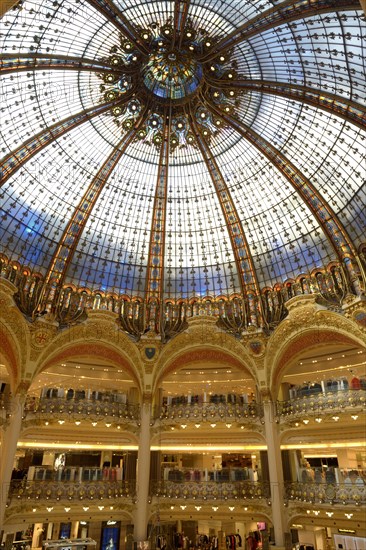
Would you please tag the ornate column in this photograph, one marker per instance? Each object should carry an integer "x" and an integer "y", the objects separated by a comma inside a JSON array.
[
  {"x": 143, "y": 473},
  {"x": 275, "y": 471},
  {"x": 9, "y": 445}
]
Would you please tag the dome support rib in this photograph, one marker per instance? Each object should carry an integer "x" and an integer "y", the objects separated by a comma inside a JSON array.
[
  {"x": 278, "y": 15},
  {"x": 65, "y": 250},
  {"x": 15, "y": 160},
  {"x": 346, "y": 109},
  {"x": 11, "y": 63},
  {"x": 154, "y": 287},
  {"x": 181, "y": 8},
  {"x": 115, "y": 16},
  {"x": 327, "y": 219},
  {"x": 243, "y": 259}
]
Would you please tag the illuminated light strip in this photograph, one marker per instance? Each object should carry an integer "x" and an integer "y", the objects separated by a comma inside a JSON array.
[
  {"x": 87, "y": 446},
  {"x": 15, "y": 159},
  {"x": 186, "y": 448},
  {"x": 280, "y": 14},
  {"x": 348, "y": 444},
  {"x": 100, "y": 446}
]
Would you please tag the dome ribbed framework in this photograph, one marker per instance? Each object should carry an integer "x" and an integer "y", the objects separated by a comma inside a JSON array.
[{"x": 176, "y": 150}]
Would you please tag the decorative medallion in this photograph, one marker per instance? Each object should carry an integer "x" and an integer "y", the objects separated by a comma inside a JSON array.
[
  {"x": 360, "y": 317},
  {"x": 256, "y": 347},
  {"x": 170, "y": 80},
  {"x": 150, "y": 353},
  {"x": 41, "y": 337}
]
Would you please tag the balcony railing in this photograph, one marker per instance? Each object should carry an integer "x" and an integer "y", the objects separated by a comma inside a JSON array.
[
  {"x": 207, "y": 491},
  {"x": 208, "y": 412},
  {"x": 321, "y": 403},
  {"x": 36, "y": 297},
  {"x": 80, "y": 409},
  {"x": 210, "y": 490},
  {"x": 331, "y": 493},
  {"x": 69, "y": 490}
]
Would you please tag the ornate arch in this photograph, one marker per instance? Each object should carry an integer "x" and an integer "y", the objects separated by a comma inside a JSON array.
[
  {"x": 10, "y": 354},
  {"x": 196, "y": 346},
  {"x": 307, "y": 327},
  {"x": 99, "y": 337},
  {"x": 14, "y": 335}
]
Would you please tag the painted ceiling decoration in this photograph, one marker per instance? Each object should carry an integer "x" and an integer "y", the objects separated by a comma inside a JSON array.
[{"x": 168, "y": 159}]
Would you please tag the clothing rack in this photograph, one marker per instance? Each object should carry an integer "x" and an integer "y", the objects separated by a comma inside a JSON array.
[{"x": 233, "y": 541}]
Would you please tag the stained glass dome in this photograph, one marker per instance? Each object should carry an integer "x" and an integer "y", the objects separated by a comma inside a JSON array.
[{"x": 181, "y": 149}]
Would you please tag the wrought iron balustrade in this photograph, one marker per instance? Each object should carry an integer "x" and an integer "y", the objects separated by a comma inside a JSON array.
[
  {"x": 70, "y": 490},
  {"x": 332, "y": 493},
  {"x": 80, "y": 409},
  {"x": 211, "y": 490},
  {"x": 235, "y": 314},
  {"x": 208, "y": 412},
  {"x": 320, "y": 403}
]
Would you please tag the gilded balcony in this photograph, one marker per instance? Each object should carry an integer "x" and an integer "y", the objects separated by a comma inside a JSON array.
[
  {"x": 60, "y": 409},
  {"x": 233, "y": 413},
  {"x": 211, "y": 490},
  {"x": 23, "y": 490},
  {"x": 353, "y": 493},
  {"x": 323, "y": 405}
]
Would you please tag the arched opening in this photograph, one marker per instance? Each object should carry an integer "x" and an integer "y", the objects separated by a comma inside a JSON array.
[
  {"x": 90, "y": 395},
  {"x": 321, "y": 397}
]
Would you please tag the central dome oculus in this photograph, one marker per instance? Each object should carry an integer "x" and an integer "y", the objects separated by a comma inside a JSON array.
[
  {"x": 172, "y": 76},
  {"x": 163, "y": 71}
]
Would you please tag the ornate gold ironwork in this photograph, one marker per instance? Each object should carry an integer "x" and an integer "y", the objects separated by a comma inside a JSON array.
[{"x": 136, "y": 316}]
